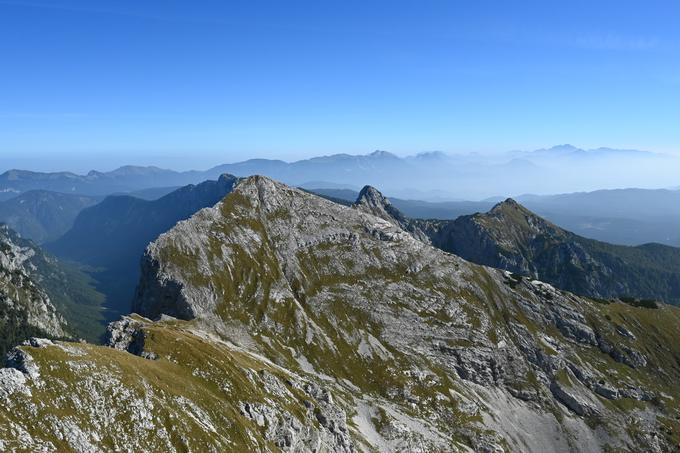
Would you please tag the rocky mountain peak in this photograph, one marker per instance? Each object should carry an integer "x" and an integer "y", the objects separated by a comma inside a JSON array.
[
  {"x": 509, "y": 221},
  {"x": 263, "y": 191},
  {"x": 509, "y": 205},
  {"x": 372, "y": 201},
  {"x": 226, "y": 178},
  {"x": 339, "y": 291},
  {"x": 370, "y": 196}
]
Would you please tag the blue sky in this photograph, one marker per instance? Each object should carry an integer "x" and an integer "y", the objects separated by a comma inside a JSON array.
[{"x": 190, "y": 84}]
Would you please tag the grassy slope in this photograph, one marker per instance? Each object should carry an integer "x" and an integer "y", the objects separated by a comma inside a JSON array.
[{"x": 191, "y": 393}]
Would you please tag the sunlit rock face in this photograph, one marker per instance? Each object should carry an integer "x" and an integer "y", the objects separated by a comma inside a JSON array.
[{"x": 25, "y": 307}]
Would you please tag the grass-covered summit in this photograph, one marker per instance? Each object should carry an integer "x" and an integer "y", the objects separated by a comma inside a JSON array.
[{"x": 513, "y": 238}]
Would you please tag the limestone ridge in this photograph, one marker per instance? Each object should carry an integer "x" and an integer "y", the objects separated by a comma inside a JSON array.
[
  {"x": 424, "y": 347},
  {"x": 513, "y": 238},
  {"x": 311, "y": 326}
]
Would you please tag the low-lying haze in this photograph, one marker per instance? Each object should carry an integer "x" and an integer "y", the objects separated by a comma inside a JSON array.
[{"x": 426, "y": 176}]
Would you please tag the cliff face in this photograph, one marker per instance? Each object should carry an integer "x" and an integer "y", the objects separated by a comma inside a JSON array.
[
  {"x": 287, "y": 322},
  {"x": 25, "y": 308}
]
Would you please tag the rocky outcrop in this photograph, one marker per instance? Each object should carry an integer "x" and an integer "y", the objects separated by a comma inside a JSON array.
[
  {"x": 290, "y": 434},
  {"x": 128, "y": 335},
  {"x": 370, "y": 200},
  {"x": 573, "y": 394},
  {"x": 21, "y": 361}
]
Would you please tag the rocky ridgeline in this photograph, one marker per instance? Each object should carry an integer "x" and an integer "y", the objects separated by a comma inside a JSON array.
[
  {"x": 285, "y": 321},
  {"x": 25, "y": 308}
]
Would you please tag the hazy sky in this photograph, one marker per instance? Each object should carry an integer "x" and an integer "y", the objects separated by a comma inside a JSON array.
[{"x": 191, "y": 84}]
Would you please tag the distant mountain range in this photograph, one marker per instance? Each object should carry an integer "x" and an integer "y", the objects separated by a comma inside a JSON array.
[
  {"x": 42, "y": 215},
  {"x": 431, "y": 176},
  {"x": 568, "y": 151},
  {"x": 130, "y": 178},
  {"x": 121, "y": 180},
  {"x": 621, "y": 216}
]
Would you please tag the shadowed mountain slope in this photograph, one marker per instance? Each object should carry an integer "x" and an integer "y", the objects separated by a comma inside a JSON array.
[
  {"x": 41, "y": 296},
  {"x": 513, "y": 238},
  {"x": 111, "y": 236},
  {"x": 43, "y": 216}
]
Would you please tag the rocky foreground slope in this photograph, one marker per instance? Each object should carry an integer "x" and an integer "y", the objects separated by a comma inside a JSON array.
[{"x": 287, "y": 322}]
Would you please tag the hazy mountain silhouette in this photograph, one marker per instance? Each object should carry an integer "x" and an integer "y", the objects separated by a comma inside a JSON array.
[
  {"x": 42, "y": 215},
  {"x": 431, "y": 176}
]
